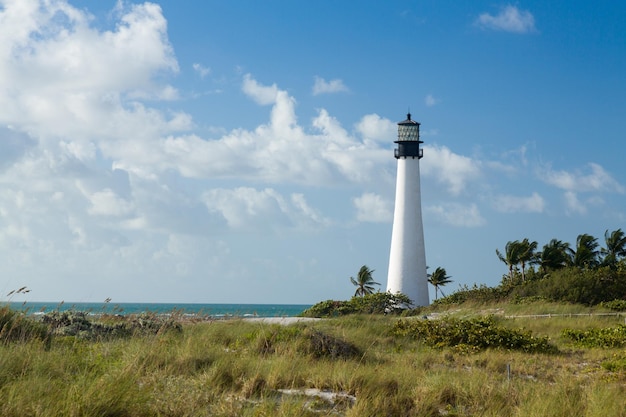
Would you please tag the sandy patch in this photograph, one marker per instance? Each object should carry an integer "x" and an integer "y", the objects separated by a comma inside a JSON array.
[{"x": 281, "y": 320}]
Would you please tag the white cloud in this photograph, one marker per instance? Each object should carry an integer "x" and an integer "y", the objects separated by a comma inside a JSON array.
[
  {"x": 201, "y": 70},
  {"x": 431, "y": 101},
  {"x": 322, "y": 86},
  {"x": 458, "y": 215},
  {"x": 449, "y": 168},
  {"x": 263, "y": 95},
  {"x": 107, "y": 203},
  {"x": 55, "y": 67},
  {"x": 510, "y": 19},
  {"x": 374, "y": 127},
  {"x": 573, "y": 204},
  {"x": 248, "y": 209},
  {"x": 513, "y": 204},
  {"x": 373, "y": 208},
  {"x": 595, "y": 179},
  {"x": 277, "y": 152}
]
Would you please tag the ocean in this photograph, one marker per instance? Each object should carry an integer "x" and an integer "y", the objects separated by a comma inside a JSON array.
[{"x": 200, "y": 310}]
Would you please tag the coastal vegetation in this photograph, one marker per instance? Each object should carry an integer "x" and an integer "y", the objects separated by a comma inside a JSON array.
[{"x": 464, "y": 359}]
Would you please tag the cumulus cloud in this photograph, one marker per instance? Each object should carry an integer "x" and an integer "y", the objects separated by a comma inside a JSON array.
[
  {"x": 262, "y": 94},
  {"x": 509, "y": 19},
  {"x": 246, "y": 208},
  {"x": 107, "y": 203},
  {"x": 322, "y": 86},
  {"x": 376, "y": 128},
  {"x": 513, "y": 204},
  {"x": 453, "y": 170},
  {"x": 593, "y": 178},
  {"x": 456, "y": 214},
  {"x": 373, "y": 208},
  {"x": 56, "y": 67}
]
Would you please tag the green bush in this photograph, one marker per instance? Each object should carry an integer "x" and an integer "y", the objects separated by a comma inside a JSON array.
[
  {"x": 377, "y": 303},
  {"x": 609, "y": 337},
  {"x": 616, "y": 364},
  {"x": 328, "y": 308},
  {"x": 578, "y": 286},
  {"x": 79, "y": 324},
  {"x": 477, "y": 293},
  {"x": 615, "y": 305},
  {"x": 380, "y": 303},
  {"x": 471, "y": 335}
]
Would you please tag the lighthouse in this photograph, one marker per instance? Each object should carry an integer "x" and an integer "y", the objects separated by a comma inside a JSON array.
[{"x": 407, "y": 257}]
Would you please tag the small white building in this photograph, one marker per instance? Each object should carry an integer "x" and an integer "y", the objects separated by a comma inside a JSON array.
[{"x": 407, "y": 257}]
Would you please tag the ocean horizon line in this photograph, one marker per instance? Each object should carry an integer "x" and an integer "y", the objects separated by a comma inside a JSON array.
[
  {"x": 146, "y": 302},
  {"x": 195, "y": 309}
]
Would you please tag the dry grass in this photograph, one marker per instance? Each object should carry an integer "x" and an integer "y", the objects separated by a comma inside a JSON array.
[{"x": 236, "y": 368}]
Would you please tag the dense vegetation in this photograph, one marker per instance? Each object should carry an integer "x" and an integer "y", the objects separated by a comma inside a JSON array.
[
  {"x": 471, "y": 335},
  {"x": 586, "y": 274},
  {"x": 373, "y": 303}
]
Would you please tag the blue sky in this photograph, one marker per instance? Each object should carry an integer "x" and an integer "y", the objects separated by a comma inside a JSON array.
[{"x": 242, "y": 151}]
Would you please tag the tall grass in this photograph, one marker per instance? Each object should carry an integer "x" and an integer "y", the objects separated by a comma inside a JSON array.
[{"x": 236, "y": 368}]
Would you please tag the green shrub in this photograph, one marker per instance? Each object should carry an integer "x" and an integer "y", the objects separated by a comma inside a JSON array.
[
  {"x": 328, "y": 308},
  {"x": 609, "y": 337},
  {"x": 615, "y": 305},
  {"x": 615, "y": 364},
  {"x": 476, "y": 293},
  {"x": 579, "y": 286},
  {"x": 471, "y": 335},
  {"x": 17, "y": 327},
  {"x": 377, "y": 303},
  {"x": 79, "y": 324},
  {"x": 380, "y": 303},
  {"x": 527, "y": 300}
]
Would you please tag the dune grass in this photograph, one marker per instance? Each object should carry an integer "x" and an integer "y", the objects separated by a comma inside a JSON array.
[{"x": 237, "y": 368}]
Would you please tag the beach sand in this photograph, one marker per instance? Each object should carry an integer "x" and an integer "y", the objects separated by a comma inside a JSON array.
[{"x": 281, "y": 320}]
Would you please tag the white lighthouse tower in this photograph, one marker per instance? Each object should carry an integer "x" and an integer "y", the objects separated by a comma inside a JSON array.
[{"x": 407, "y": 257}]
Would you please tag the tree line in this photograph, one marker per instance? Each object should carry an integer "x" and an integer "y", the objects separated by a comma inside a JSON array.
[
  {"x": 556, "y": 254},
  {"x": 587, "y": 272}
]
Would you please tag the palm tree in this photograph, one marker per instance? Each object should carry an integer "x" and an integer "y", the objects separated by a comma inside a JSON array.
[
  {"x": 511, "y": 257},
  {"x": 615, "y": 247},
  {"x": 586, "y": 253},
  {"x": 438, "y": 279},
  {"x": 555, "y": 255},
  {"x": 364, "y": 281},
  {"x": 526, "y": 254}
]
